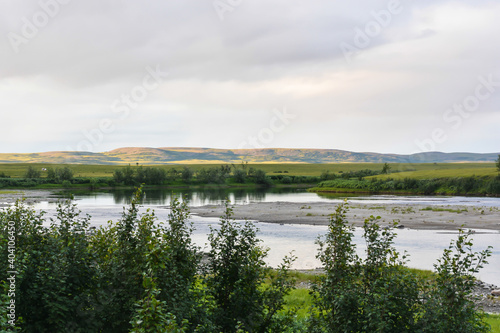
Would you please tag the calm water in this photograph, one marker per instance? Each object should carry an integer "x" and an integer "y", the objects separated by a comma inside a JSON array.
[
  {"x": 424, "y": 246},
  {"x": 159, "y": 197}
]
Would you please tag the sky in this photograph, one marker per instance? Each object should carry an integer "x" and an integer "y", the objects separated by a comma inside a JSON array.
[{"x": 367, "y": 76}]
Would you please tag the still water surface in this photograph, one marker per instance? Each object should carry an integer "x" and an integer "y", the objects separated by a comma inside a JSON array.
[{"x": 424, "y": 246}]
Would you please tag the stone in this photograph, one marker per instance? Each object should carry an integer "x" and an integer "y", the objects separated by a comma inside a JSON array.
[{"x": 495, "y": 292}]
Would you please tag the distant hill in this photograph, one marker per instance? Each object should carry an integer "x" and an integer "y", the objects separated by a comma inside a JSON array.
[{"x": 210, "y": 155}]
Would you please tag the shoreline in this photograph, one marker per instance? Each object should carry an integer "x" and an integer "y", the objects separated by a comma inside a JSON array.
[{"x": 412, "y": 216}]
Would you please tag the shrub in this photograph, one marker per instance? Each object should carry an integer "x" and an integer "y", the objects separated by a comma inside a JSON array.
[
  {"x": 31, "y": 172},
  {"x": 235, "y": 274},
  {"x": 240, "y": 176},
  {"x": 380, "y": 294}
]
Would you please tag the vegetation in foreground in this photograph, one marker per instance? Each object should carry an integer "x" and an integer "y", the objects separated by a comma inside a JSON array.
[{"x": 142, "y": 275}]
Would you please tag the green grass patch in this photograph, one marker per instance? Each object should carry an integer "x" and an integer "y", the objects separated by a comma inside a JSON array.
[
  {"x": 437, "y": 209},
  {"x": 9, "y": 192},
  {"x": 444, "y": 171},
  {"x": 494, "y": 321},
  {"x": 300, "y": 300}
]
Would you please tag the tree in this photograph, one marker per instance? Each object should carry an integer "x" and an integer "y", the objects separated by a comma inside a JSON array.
[
  {"x": 260, "y": 177},
  {"x": 498, "y": 164},
  {"x": 32, "y": 173},
  {"x": 56, "y": 269},
  {"x": 386, "y": 169},
  {"x": 235, "y": 274},
  {"x": 187, "y": 174},
  {"x": 449, "y": 304},
  {"x": 128, "y": 175},
  {"x": 239, "y": 175},
  {"x": 380, "y": 294},
  {"x": 59, "y": 175}
]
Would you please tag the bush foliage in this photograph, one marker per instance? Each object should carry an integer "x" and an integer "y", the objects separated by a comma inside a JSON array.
[
  {"x": 139, "y": 274},
  {"x": 459, "y": 185}
]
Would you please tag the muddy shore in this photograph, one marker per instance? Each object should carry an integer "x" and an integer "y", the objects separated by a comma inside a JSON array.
[{"x": 411, "y": 216}]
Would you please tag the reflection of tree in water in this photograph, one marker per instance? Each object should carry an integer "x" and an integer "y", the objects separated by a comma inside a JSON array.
[
  {"x": 211, "y": 195},
  {"x": 258, "y": 194},
  {"x": 239, "y": 195},
  {"x": 122, "y": 197},
  {"x": 203, "y": 196}
]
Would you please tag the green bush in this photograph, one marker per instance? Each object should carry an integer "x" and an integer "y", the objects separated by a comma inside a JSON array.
[
  {"x": 235, "y": 274},
  {"x": 31, "y": 172},
  {"x": 142, "y": 275},
  {"x": 461, "y": 185},
  {"x": 380, "y": 294},
  {"x": 240, "y": 176},
  {"x": 59, "y": 175}
]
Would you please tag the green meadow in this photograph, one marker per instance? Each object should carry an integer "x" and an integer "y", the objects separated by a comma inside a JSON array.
[{"x": 398, "y": 170}]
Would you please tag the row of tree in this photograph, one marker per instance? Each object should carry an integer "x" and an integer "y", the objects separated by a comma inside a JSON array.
[
  {"x": 475, "y": 185},
  {"x": 56, "y": 175},
  {"x": 211, "y": 175},
  {"x": 142, "y": 275}
]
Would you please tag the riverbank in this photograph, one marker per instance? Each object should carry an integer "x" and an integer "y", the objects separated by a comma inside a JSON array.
[
  {"x": 9, "y": 197},
  {"x": 413, "y": 216},
  {"x": 470, "y": 186}
]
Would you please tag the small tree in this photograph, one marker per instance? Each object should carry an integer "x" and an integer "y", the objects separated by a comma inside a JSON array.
[
  {"x": 386, "y": 169},
  {"x": 380, "y": 294},
  {"x": 187, "y": 174},
  {"x": 32, "y": 173},
  {"x": 261, "y": 178},
  {"x": 498, "y": 164},
  {"x": 449, "y": 304},
  {"x": 240, "y": 175},
  {"x": 235, "y": 276}
]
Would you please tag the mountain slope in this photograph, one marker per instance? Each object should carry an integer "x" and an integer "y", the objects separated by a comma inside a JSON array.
[{"x": 177, "y": 155}]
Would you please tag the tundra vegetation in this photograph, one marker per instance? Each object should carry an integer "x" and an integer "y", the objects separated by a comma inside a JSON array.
[
  {"x": 139, "y": 274},
  {"x": 424, "y": 178}
]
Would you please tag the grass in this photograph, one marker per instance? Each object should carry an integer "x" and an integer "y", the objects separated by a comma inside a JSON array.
[
  {"x": 400, "y": 170},
  {"x": 436, "y": 209},
  {"x": 494, "y": 321},
  {"x": 9, "y": 192},
  {"x": 299, "y": 299},
  {"x": 444, "y": 170}
]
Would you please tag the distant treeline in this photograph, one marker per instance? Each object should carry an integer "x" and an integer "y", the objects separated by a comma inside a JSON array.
[
  {"x": 136, "y": 175},
  {"x": 474, "y": 185},
  {"x": 211, "y": 175}
]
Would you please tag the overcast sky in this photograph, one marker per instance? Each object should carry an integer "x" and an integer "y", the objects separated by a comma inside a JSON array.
[{"x": 382, "y": 76}]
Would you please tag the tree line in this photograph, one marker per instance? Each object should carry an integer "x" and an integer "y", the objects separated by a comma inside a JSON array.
[{"x": 474, "y": 185}]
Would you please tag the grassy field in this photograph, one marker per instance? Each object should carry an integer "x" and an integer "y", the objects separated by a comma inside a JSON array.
[
  {"x": 450, "y": 171},
  {"x": 403, "y": 170}
]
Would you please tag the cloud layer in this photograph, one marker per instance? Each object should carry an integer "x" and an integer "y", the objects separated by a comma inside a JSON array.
[{"x": 385, "y": 76}]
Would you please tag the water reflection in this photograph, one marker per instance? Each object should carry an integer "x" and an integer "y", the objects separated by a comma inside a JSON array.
[
  {"x": 241, "y": 196},
  {"x": 197, "y": 197}
]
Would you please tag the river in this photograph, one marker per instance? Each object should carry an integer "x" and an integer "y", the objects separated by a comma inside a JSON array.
[{"x": 424, "y": 246}]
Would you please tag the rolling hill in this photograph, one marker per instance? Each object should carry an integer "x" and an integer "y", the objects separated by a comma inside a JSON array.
[{"x": 174, "y": 155}]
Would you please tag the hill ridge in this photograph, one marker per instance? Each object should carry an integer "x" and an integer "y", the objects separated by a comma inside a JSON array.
[{"x": 189, "y": 155}]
